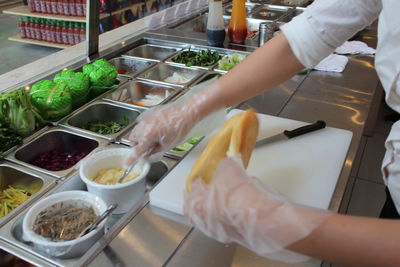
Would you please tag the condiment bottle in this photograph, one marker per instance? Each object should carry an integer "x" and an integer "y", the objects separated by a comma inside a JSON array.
[
  {"x": 47, "y": 30},
  {"x": 72, "y": 8},
  {"x": 215, "y": 24},
  {"x": 237, "y": 30},
  {"x": 60, "y": 7},
  {"x": 70, "y": 31},
  {"x": 48, "y": 6},
  {"x": 58, "y": 34},
  {"x": 65, "y": 7},
  {"x": 84, "y": 7},
  {"x": 79, "y": 8},
  {"x": 32, "y": 28},
  {"x": 54, "y": 7},
  {"x": 21, "y": 26},
  {"x": 82, "y": 32},
  {"x": 31, "y": 5},
  {"x": 36, "y": 26},
  {"x": 52, "y": 31},
  {"x": 42, "y": 6},
  {"x": 76, "y": 33},
  {"x": 27, "y": 28},
  {"x": 37, "y": 5},
  {"x": 64, "y": 33}
]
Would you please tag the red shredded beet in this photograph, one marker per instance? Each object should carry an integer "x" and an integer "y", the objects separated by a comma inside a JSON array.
[{"x": 57, "y": 160}]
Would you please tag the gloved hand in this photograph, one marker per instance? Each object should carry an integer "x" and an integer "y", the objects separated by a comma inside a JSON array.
[
  {"x": 164, "y": 127},
  {"x": 238, "y": 208}
]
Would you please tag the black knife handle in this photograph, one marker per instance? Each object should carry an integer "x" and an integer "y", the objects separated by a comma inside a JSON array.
[{"x": 305, "y": 129}]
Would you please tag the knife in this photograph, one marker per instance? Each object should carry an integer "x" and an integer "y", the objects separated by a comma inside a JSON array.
[{"x": 286, "y": 135}]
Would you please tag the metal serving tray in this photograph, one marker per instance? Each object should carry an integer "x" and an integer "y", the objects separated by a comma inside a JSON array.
[
  {"x": 136, "y": 90},
  {"x": 11, "y": 234},
  {"x": 129, "y": 67},
  {"x": 55, "y": 138},
  {"x": 161, "y": 72},
  {"x": 269, "y": 13},
  {"x": 216, "y": 68},
  {"x": 20, "y": 177},
  {"x": 104, "y": 112},
  {"x": 152, "y": 52},
  {"x": 194, "y": 49}
]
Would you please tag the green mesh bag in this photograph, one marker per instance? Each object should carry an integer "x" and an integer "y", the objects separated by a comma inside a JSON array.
[
  {"x": 101, "y": 73},
  {"x": 78, "y": 84},
  {"x": 53, "y": 100}
]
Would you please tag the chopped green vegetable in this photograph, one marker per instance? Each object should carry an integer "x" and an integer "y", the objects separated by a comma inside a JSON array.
[
  {"x": 187, "y": 145},
  {"x": 17, "y": 112},
  {"x": 202, "y": 58},
  {"x": 229, "y": 61},
  {"x": 110, "y": 127},
  {"x": 8, "y": 138},
  {"x": 78, "y": 84},
  {"x": 53, "y": 100},
  {"x": 101, "y": 73}
]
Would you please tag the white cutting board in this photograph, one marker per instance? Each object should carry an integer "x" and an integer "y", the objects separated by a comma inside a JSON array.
[{"x": 305, "y": 168}]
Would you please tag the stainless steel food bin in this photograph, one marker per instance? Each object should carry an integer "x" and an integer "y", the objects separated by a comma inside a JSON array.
[
  {"x": 162, "y": 71},
  {"x": 129, "y": 67},
  {"x": 135, "y": 90},
  {"x": 18, "y": 177},
  {"x": 11, "y": 234},
  {"x": 269, "y": 13},
  {"x": 194, "y": 49},
  {"x": 55, "y": 138},
  {"x": 152, "y": 52},
  {"x": 104, "y": 112}
]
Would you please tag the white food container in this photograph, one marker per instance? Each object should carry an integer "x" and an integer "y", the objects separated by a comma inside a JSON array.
[
  {"x": 126, "y": 195},
  {"x": 64, "y": 249}
]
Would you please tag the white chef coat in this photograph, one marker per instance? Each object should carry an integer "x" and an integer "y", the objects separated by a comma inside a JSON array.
[{"x": 326, "y": 24}]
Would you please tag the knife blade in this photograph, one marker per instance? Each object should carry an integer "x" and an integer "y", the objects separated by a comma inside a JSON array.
[{"x": 286, "y": 135}]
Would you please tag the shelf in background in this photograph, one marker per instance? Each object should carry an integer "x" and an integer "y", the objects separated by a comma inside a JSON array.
[
  {"x": 126, "y": 8},
  {"x": 18, "y": 38},
  {"x": 24, "y": 11}
]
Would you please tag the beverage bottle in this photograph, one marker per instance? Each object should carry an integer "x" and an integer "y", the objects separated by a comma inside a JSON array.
[
  {"x": 48, "y": 6},
  {"x": 64, "y": 33},
  {"x": 47, "y": 30},
  {"x": 82, "y": 32},
  {"x": 21, "y": 26},
  {"x": 76, "y": 33},
  {"x": 27, "y": 28},
  {"x": 65, "y": 7},
  {"x": 58, "y": 34},
  {"x": 42, "y": 6},
  {"x": 31, "y": 5},
  {"x": 215, "y": 24},
  {"x": 72, "y": 8},
  {"x": 52, "y": 33},
  {"x": 237, "y": 30},
  {"x": 79, "y": 8},
  {"x": 37, "y": 5},
  {"x": 54, "y": 8},
  {"x": 70, "y": 32},
  {"x": 60, "y": 7}
]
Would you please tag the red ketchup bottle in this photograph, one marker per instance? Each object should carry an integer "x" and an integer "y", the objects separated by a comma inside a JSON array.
[
  {"x": 43, "y": 6},
  {"x": 76, "y": 33},
  {"x": 41, "y": 30},
  {"x": 237, "y": 30},
  {"x": 27, "y": 28},
  {"x": 48, "y": 6},
  {"x": 37, "y": 5},
  {"x": 79, "y": 8},
  {"x": 72, "y": 8},
  {"x": 54, "y": 8},
  {"x": 47, "y": 30},
  {"x": 70, "y": 32},
  {"x": 31, "y": 5},
  {"x": 65, "y": 7},
  {"x": 32, "y": 28},
  {"x": 60, "y": 7},
  {"x": 52, "y": 34}
]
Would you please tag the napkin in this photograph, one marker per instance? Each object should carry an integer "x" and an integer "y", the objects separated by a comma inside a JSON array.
[
  {"x": 355, "y": 47},
  {"x": 332, "y": 63}
]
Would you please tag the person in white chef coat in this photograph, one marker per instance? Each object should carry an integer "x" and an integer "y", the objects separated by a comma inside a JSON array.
[{"x": 238, "y": 208}]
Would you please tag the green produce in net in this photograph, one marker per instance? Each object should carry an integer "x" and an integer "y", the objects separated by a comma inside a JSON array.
[
  {"x": 17, "y": 112},
  {"x": 78, "y": 84},
  {"x": 101, "y": 73},
  {"x": 53, "y": 100}
]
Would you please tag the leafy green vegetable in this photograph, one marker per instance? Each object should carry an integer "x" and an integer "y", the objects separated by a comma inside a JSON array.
[
  {"x": 202, "y": 58},
  {"x": 8, "y": 138},
  {"x": 230, "y": 61},
  {"x": 110, "y": 127},
  {"x": 53, "y": 100},
  {"x": 78, "y": 84},
  {"x": 17, "y": 112},
  {"x": 187, "y": 145},
  {"x": 101, "y": 73}
]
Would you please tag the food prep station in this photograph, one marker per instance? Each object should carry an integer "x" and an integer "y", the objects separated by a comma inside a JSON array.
[{"x": 146, "y": 235}]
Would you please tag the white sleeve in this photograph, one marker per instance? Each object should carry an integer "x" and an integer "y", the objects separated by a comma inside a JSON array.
[{"x": 327, "y": 24}]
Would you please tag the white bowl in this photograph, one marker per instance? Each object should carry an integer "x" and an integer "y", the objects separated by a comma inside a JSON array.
[
  {"x": 64, "y": 249},
  {"x": 126, "y": 195}
]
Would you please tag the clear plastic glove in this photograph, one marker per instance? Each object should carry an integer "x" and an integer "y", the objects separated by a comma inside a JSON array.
[
  {"x": 164, "y": 127},
  {"x": 238, "y": 208}
]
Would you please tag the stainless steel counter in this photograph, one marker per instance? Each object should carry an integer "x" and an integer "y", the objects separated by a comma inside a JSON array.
[{"x": 156, "y": 237}]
